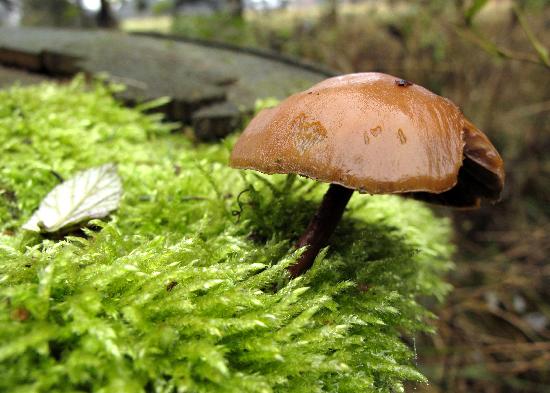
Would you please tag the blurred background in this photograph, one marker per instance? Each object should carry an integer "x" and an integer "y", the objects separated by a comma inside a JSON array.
[{"x": 491, "y": 58}]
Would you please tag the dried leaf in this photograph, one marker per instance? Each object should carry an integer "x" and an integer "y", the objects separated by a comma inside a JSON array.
[{"x": 93, "y": 193}]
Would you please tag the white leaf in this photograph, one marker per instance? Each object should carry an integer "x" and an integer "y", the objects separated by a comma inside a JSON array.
[{"x": 93, "y": 193}]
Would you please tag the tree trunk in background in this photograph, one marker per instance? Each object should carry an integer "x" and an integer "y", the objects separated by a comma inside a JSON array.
[
  {"x": 84, "y": 19},
  {"x": 7, "y": 3},
  {"x": 236, "y": 8},
  {"x": 105, "y": 17},
  {"x": 141, "y": 5},
  {"x": 331, "y": 16},
  {"x": 57, "y": 10}
]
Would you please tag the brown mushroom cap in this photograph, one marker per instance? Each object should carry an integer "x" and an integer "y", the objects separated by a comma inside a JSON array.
[{"x": 378, "y": 134}]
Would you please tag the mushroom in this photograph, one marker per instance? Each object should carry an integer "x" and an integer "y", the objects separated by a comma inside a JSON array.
[{"x": 377, "y": 134}]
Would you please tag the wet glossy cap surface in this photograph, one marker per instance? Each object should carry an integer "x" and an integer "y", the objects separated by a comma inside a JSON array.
[{"x": 370, "y": 131}]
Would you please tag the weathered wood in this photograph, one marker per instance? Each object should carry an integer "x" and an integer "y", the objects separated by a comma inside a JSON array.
[
  {"x": 28, "y": 61},
  {"x": 61, "y": 64},
  {"x": 194, "y": 75},
  {"x": 9, "y": 76},
  {"x": 216, "y": 121}
]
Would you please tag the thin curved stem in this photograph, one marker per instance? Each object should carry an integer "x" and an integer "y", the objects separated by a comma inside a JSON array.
[{"x": 321, "y": 227}]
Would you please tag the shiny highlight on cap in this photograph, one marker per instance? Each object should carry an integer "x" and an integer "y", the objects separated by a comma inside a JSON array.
[{"x": 377, "y": 134}]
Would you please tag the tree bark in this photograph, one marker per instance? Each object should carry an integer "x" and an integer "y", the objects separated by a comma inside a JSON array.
[
  {"x": 331, "y": 16},
  {"x": 236, "y": 8},
  {"x": 105, "y": 16}
]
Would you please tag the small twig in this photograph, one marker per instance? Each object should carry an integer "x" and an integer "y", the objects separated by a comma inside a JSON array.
[
  {"x": 517, "y": 347},
  {"x": 128, "y": 82},
  {"x": 529, "y": 110},
  {"x": 193, "y": 198},
  {"x": 208, "y": 176},
  {"x": 533, "y": 40},
  {"x": 237, "y": 213},
  {"x": 57, "y": 176},
  {"x": 476, "y": 37},
  {"x": 490, "y": 47}
]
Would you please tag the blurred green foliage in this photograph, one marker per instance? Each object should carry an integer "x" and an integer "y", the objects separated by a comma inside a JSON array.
[
  {"x": 185, "y": 289},
  {"x": 50, "y": 13},
  {"x": 162, "y": 7},
  {"x": 217, "y": 27}
]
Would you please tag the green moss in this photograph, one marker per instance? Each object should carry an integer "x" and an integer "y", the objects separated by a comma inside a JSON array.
[{"x": 185, "y": 288}]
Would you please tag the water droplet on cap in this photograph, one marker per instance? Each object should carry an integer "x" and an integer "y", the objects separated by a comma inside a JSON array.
[
  {"x": 402, "y": 137},
  {"x": 376, "y": 131},
  {"x": 366, "y": 138}
]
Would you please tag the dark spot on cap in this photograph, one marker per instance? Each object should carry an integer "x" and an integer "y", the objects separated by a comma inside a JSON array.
[{"x": 403, "y": 83}]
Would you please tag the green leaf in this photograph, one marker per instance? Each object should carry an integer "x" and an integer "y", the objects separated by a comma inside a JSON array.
[
  {"x": 265, "y": 103},
  {"x": 93, "y": 193},
  {"x": 153, "y": 104},
  {"x": 473, "y": 10}
]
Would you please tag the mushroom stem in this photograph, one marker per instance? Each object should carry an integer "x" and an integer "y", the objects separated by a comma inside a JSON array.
[{"x": 321, "y": 226}]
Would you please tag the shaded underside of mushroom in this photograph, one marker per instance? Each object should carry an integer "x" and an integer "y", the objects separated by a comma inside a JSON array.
[{"x": 375, "y": 134}]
